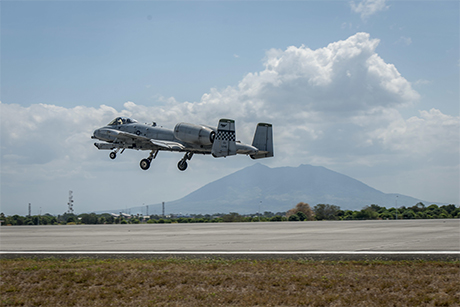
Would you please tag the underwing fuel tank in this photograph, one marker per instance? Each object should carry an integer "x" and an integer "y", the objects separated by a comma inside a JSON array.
[{"x": 195, "y": 134}]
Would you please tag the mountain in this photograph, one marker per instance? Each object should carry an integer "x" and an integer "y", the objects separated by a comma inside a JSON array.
[{"x": 280, "y": 189}]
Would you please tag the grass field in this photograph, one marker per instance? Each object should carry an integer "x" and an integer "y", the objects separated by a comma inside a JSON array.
[{"x": 176, "y": 282}]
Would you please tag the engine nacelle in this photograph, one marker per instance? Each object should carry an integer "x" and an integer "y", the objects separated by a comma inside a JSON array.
[{"x": 195, "y": 134}]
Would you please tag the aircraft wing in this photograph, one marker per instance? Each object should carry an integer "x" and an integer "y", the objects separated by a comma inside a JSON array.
[{"x": 146, "y": 142}]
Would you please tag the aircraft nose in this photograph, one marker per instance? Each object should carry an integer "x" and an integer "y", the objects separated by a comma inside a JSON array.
[
  {"x": 104, "y": 134},
  {"x": 96, "y": 133}
]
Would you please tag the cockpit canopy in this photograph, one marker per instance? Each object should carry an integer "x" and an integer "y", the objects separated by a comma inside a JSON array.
[{"x": 122, "y": 121}]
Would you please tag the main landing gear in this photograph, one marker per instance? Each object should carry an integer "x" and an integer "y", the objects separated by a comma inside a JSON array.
[
  {"x": 145, "y": 163},
  {"x": 182, "y": 165}
]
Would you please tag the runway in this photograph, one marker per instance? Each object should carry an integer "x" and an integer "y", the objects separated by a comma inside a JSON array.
[{"x": 328, "y": 240}]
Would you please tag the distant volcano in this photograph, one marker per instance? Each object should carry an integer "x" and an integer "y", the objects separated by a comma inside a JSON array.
[{"x": 280, "y": 189}]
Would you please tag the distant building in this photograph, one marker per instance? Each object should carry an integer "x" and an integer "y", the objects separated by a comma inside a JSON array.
[{"x": 125, "y": 215}]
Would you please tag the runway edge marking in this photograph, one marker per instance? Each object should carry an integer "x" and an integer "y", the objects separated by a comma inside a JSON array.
[{"x": 236, "y": 252}]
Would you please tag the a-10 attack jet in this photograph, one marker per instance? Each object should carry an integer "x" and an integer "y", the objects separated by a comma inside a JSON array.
[{"x": 123, "y": 132}]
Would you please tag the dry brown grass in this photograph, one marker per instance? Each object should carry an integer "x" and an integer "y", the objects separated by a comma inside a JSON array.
[{"x": 175, "y": 282}]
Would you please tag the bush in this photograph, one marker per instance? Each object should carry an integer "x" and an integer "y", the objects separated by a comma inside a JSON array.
[
  {"x": 408, "y": 214},
  {"x": 327, "y": 212},
  {"x": 232, "y": 217},
  {"x": 305, "y": 209},
  {"x": 302, "y": 216},
  {"x": 276, "y": 218},
  {"x": 366, "y": 214}
]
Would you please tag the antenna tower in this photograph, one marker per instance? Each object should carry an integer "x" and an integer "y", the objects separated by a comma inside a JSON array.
[
  {"x": 29, "y": 209},
  {"x": 70, "y": 203}
]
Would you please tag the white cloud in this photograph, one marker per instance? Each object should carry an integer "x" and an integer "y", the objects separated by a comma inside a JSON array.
[
  {"x": 317, "y": 94},
  {"x": 345, "y": 76},
  {"x": 336, "y": 106},
  {"x": 431, "y": 132},
  {"x": 404, "y": 40},
  {"x": 368, "y": 8}
]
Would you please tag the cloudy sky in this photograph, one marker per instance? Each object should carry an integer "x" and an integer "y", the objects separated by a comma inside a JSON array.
[{"x": 366, "y": 88}]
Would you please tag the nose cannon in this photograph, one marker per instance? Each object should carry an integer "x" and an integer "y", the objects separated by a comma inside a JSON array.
[{"x": 104, "y": 134}]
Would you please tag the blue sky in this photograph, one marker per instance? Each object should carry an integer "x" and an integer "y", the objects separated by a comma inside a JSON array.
[
  {"x": 65, "y": 59},
  {"x": 89, "y": 53}
]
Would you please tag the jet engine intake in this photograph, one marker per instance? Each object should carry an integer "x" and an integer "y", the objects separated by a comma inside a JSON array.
[{"x": 195, "y": 134}]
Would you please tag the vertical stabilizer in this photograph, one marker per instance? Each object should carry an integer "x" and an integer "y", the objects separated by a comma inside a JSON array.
[
  {"x": 224, "y": 142},
  {"x": 263, "y": 141}
]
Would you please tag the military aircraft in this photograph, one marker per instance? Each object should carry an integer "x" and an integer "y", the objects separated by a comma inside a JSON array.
[{"x": 124, "y": 132}]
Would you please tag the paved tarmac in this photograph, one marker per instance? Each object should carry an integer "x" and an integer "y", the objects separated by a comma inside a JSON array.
[{"x": 401, "y": 239}]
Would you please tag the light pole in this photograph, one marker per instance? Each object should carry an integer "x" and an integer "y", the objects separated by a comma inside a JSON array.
[{"x": 260, "y": 203}]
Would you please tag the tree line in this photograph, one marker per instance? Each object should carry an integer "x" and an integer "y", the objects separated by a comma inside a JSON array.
[{"x": 301, "y": 212}]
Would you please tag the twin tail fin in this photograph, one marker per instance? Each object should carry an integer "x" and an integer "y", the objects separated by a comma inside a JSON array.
[
  {"x": 225, "y": 140},
  {"x": 263, "y": 141}
]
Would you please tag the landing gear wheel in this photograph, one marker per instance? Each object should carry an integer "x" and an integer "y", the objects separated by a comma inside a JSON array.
[
  {"x": 113, "y": 155},
  {"x": 182, "y": 165},
  {"x": 145, "y": 164}
]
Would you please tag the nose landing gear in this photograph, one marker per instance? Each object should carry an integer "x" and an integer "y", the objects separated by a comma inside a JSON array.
[{"x": 113, "y": 154}]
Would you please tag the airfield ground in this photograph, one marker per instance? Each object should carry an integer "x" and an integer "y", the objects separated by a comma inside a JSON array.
[
  {"x": 400, "y": 236},
  {"x": 214, "y": 282},
  {"x": 353, "y": 263}
]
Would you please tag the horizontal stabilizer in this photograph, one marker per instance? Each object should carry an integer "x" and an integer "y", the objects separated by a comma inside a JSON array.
[
  {"x": 263, "y": 141},
  {"x": 225, "y": 141}
]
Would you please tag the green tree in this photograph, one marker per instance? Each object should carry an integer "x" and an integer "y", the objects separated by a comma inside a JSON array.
[
  {"x": 386, "y": 215},
  {"x": 232, "y": 217},
  {"x": 408, "y": 214},
  {"x": 17, "y": 220},
  {"x": 302, "y": 216},
  {"x": 88, "y": 218},
  {"x": 105, "y": 218},
  {"x": 304, "y": 208},
  {"x": 268, "y": 214},
  {"x": 450, "y": 209},
  {"x": 367, "y": 213},
  {"x": 419, "y": 207},
  {"x": 377, "y": 208},
  {"x": 49, "y": 219},
  {"x": 276, "y": 218},
  {"x": 71, "y": 219},
  {"x": 326, "y": 212}
]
